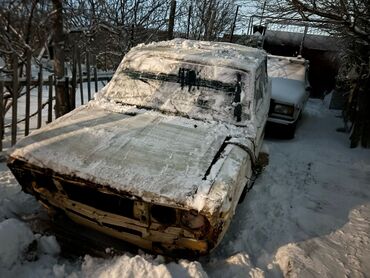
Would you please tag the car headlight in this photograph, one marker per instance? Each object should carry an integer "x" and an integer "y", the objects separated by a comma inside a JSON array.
[
  {"x": 164, "y": 215},
  {"x": 193, "y": 220},
  {"x": 283, "y": 109}
]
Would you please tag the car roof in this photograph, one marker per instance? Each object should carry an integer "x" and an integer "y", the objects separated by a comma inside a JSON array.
[
  {"x": 218, "y": 54},
  {"x": 298, "y": 59},
  {"x": 287, "y": 67}
]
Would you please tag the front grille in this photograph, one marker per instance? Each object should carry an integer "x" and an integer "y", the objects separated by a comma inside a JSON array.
[
  {"x": 99, "y": 200},
  {"x": 164, "y": 215},
  {"x": 45, "y": 181},
  {"x": 111, "y": 226},
  {"x": 32, "y": 177},
  {"x": 123, "y": 229},
  {"x": 25, "y": 177}
]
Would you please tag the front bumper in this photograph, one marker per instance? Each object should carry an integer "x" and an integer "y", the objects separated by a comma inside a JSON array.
[
  {"x": 54, "y": 192},
  {"x": 281, "y": 121},
  {"x": 157, "y": 238}
]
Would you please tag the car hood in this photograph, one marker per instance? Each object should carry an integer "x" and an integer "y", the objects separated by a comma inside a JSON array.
[
  {"x": 146, "y": 154},
  {"x": 288, "y": 90}
]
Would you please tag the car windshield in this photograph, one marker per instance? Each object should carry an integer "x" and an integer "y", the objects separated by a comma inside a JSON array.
[
  {"x": 286, "y": 68},
  {"x": 184, "y": 88}
]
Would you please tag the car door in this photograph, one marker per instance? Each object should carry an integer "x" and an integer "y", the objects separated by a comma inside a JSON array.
[{"x": 262, "y": 92}]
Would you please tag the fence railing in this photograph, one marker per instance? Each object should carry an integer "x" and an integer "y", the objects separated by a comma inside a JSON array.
[{"x": 26, "y": 103}]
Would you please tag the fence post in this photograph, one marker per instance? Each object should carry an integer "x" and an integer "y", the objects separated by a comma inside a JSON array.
[
  {"x": 171, "y": 20},
  {"x": 28, "y": 93},
  {"x": 50, "y": 104},
  {"x": 14, "y": 100},
  {"x": 57, "y": 99},
  {"x": 39, "y": 98},
  {"x": 74, "y": 79},
  {"x": 66, "y": 94},
  {"x": 80, "y": 75},
  {"x": 95, "y": 74},
  {"x": 105, "y": 58},
  {"x": 88, "y": 75},
  {"x": 303, "y": 39},
  {"x": 1, "y": 114},
  {"x": 189, "y": 18},
  {"x": 132, "y": 36}
]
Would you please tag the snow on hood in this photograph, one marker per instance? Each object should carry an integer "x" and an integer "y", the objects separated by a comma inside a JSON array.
[
  {"x": 151, "y": 155},
  {"x": 287, "y": 90}
]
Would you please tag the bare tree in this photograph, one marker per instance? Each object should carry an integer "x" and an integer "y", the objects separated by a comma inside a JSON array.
[
  {"x": 110, "y": 28},
  {"x": 209, "y": 20},
  {"x": 23, "y": 31},
  {"x": 62, "y": 106},
  {"x": 107, "y": 29},
  {"x": 171, "y": 20},
  {"x": 23, "y": 27}
]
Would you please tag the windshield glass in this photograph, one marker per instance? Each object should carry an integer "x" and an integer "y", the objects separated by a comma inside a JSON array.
[
  {"x": 187, "y": 89},
  {"x": 286, "y": 68}
]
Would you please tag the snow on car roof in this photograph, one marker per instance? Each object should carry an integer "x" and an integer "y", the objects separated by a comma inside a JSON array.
[
  {"x": 211, "y": 53},
  {"x": 286, "y": 67}
]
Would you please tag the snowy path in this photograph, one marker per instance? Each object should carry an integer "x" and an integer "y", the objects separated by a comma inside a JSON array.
[
  {"x": 308, "y": 215},
  {"x": 310, "y": 210}
]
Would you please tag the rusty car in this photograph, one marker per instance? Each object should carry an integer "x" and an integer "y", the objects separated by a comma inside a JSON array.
[{"x": 163, "y": 154}]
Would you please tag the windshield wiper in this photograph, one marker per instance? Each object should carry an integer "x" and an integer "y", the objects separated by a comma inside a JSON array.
[{"x": 185, "y": 77}]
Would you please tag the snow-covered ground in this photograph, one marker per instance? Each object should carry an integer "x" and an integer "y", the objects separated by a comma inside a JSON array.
[{"x": 308, "y": 215}]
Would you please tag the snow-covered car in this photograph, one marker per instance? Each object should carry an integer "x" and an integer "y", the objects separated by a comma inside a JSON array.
[
  {"x": 289, "y": 93},
  {"x": 163, "y": 154}
]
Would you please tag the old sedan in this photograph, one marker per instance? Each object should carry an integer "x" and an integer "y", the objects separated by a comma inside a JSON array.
[
  {"x": 162, "y": 155},
  {"x": 289, "y": 93}
]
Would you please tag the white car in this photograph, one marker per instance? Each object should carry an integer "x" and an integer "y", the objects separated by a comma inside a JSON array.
[
  {"x": 163, "y": 154},
  {"x": 289, "y": 93}
]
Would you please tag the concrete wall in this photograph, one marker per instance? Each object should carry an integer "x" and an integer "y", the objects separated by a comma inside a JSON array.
[{"x": 321, "y": 51}]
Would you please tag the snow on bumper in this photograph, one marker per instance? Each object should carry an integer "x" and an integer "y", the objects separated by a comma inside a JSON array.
[{"x": 150, "y": 226}]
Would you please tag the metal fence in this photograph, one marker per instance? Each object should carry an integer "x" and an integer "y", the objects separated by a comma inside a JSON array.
[{"x": 28, "y": 102}]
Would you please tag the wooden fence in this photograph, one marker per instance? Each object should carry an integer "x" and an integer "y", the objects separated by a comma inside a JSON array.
[{"x": 17, "y": 88}]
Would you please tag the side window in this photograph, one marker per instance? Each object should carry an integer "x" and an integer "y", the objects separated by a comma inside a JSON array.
[
  {"x": 260, "y": 83},
  {"x": 259, "y": 88}
]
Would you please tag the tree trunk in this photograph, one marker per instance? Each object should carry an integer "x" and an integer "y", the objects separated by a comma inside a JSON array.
[
  {"x": 211, "y": 25},
  {"x": 61, "y": 107},
  {"x": 171, "y": 21},
  {"x": 234, "y": 23},
  {"x": 207, "y": 19}
]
